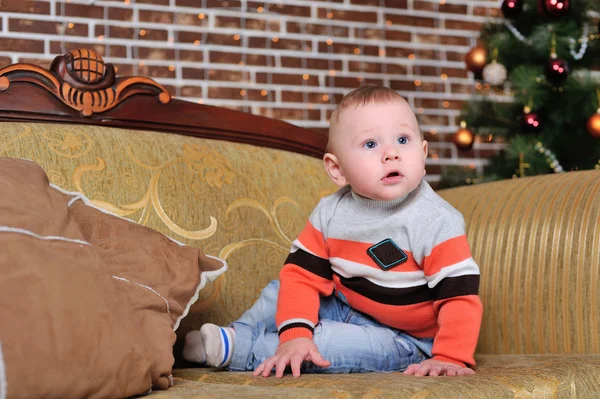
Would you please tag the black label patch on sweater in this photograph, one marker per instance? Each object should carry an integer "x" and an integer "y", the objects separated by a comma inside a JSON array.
[{"x": 387, "y": 254}]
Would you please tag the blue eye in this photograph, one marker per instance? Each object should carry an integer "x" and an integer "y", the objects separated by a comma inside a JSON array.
[
  {"x": 402, "y": 140},
  {"x": 370, "y": 144}
]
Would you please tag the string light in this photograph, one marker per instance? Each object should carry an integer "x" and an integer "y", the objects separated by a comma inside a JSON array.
[
  {"x": 201, "y": 16},
  {"x": 550, "y": 157},
  {"x": 143, "y": 32}
]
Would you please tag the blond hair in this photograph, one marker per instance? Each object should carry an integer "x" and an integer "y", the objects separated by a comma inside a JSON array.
[{"x": 364, "y": 94}]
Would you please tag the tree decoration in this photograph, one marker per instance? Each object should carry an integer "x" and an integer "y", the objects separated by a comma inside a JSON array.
[
  {"x": 495, "y": 73},
  {"x": 557, "y": 70},
  {"x": 554, "y": 9},
  {"x": 550, "y": 157},
  {"x": 593, "y": 123},
  {"x": 476, "y": 59},
  {"x": 531, "y": 122},
  {"x": 512, "y": 8},
  {"x": 463, "y": 138}
]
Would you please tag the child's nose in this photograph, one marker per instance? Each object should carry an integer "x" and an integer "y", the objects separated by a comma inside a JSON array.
[{"x": 390, "y": 155}]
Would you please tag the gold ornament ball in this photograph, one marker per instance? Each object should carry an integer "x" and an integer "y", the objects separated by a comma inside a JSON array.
[
  {"x": 463, "y": 138},
  {"x": 593, "y": 125},
  {"x": 476, "y": 59}
]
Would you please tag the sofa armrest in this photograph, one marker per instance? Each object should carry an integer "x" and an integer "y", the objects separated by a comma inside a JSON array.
[{"x": 537, "y": 242}]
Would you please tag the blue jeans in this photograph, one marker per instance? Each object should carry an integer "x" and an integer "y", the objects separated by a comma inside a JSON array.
[{"x": 352, "y": 341}]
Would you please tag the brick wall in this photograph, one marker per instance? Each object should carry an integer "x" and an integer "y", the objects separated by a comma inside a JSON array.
[{"x": 287, "y": 59}]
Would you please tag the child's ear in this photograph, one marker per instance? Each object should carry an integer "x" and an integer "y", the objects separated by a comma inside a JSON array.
[
  {"x": 425, "y": 149},
  {"x": 333, "y": 170}
]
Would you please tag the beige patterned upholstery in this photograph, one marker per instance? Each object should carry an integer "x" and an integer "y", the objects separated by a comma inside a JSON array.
[{"x": 537, "y": 241}]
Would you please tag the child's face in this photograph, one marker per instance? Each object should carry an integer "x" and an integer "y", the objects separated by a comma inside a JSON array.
[{"x": 378, "y": 150}]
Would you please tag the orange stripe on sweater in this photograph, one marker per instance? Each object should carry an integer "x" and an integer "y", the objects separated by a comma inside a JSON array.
[
  {"x": 356, "y": 251},
  {"x": 445, "y": 254},
  {"x": 313, "y": 240}
]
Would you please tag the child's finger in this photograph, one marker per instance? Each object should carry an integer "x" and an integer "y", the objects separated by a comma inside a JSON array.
[
  {"x": 295, "y": 363},
  {"x": 316, "y": 358},
  {"x": 410, "y": 370},
  {"x": 282, "y": 363}
]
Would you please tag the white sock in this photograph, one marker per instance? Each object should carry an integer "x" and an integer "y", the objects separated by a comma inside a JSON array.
[
  {"x": 193, "y": 348},
  {"x": 219, "y": 343}
]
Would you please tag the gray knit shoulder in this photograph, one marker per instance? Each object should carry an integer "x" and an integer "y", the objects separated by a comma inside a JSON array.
[{"x": 323, "y": 213}]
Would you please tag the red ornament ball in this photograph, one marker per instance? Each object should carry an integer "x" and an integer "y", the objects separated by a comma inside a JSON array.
[
  {"x": 512, "y": 8},
  {"x": 557, "y": 70},
  {"x": 554, "y": 8},
  {"x": 531, "y": 122}
]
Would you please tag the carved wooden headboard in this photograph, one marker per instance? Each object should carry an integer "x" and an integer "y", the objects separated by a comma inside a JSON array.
[{"x": 81, "y": 88}]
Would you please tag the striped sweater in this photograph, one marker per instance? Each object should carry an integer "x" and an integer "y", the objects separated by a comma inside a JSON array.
[{"x": 404, "y": 262}]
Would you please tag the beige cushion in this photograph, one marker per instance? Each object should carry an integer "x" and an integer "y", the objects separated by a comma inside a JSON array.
[{"x": 88, "y": 301}]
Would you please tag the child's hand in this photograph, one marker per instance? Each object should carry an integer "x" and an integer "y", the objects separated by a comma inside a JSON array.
[
  {"x": 292, "y": 352},
  {"x": 434, "y": 368}
]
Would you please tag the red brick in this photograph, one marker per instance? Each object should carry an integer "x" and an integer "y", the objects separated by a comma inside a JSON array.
[
  {"x": 36, "y": 61},
  {"x": 398, "y": 52},
  {"x": 487, "y": 12},
  {"x": 287, "y": 79},
  {"x": 154, "y": 2},
  {"x": 434, "y": 120},
  {"x": 117, "y": 32},
  {"x": 116, "y": 51},
  {"x": 5, "y": 61},
  {"x": 152, "y": 34},
  {"x": 154, "y": 53},
  {"x": 281, "y": 44},
  {"x": 57, "y": 48},
  {"x": 453, "y": 8},
  {"x": 367, "y": 67},
  {"x": 311, "y": 63},
  {"x": 224, "y": 40},
  {"x": 398, "y": 36},
  {"x": 192, "y": 19},
  {"x": 46, "y": 27},
  {"x": 396, "y": 69},
  {"x": 292, "y": 114},
  {"x": 464, "y": 25},
  {"x": 262, "y": 60},
  {"x": 191, "y": 91},
  {"x": 460, "y": 88},
  {"x": 22, "y": 45},
  {"x": 189, "y": 37},
  {"x": 377, "y": 3},
  {"x": 317, "y": 29},
  {"x": 124, "y": 69},
  {"x": 428, "y": 54},
  {"x": 351, "y": 82},
  {"x": 209, "y": 4},
  {"x": 155, "y": 71},
  {"x": 158, "y": 17},
  {"x": 404, "y": 20},
  {"x": 215, "y": 74},
  {"x": 298, "y": 11},
  {"x": 80, "y": 10},
  {"x": 431, "y": 87},
  {"x": 344, "y": 48},
  {"x": 191, "y": 55},
  {"x": 219, "y": 57},
  {"x": 315, "y": 98},
  {"x": 402, "y": 85},
  {"x": 236, "y": 93},
  {"x": 454, "y": 40},
  {"x": 455, "y": 56},
  {"x": 424, "y": 5},
  {"x": 20, "y": 6},
  {"x": 343, "y": 15},
  {"x": 120, "y": 14}
]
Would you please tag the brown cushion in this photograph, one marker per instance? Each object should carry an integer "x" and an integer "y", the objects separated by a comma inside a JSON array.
[{"x": 91, "y": 312}]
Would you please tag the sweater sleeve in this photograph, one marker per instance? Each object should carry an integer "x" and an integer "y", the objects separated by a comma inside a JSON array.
[
  {"x": 305, "y": 276},
  {"x": 453, "y": 275}
]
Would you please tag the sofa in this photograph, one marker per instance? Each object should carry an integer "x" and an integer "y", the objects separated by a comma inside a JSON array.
[{"x": 240, "y": 188}]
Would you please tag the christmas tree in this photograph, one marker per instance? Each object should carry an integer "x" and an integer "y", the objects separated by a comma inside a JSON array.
[{"x": 534, "y": 91}]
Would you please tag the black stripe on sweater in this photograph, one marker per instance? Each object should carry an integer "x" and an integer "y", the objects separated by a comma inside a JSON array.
[
  {"x": 451, "y": 287},
  {"x": 385, "y": 295},
  {"x": 296, "y": 325},
  {"x": 319, "y": 266}
]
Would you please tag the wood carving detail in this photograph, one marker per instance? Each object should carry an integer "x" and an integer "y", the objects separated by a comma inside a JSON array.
[{"x": 81, "y": 80}]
